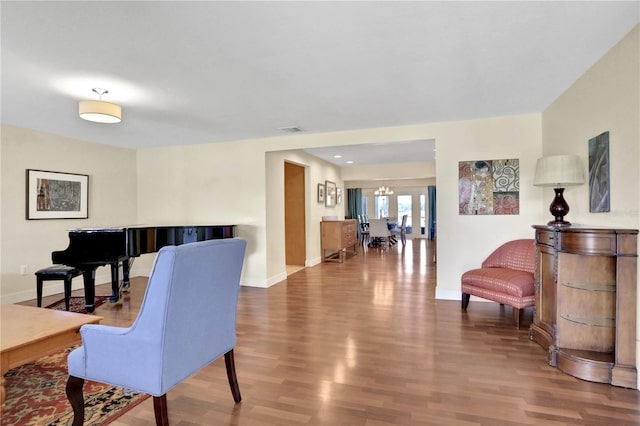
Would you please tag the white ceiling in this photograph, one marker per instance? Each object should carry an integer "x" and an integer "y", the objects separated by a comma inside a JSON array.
[
  {"x": 419, "y": 151},
  {"x": 201, "y": 72}
]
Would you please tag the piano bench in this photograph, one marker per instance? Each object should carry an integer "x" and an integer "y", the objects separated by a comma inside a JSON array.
[{"x": 56, "y": 272}]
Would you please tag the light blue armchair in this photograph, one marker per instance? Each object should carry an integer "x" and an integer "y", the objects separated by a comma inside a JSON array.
[{"x": 187, "y": 320}]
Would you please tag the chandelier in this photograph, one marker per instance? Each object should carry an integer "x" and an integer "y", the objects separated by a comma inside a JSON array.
[{"x": 383, "y": 190}]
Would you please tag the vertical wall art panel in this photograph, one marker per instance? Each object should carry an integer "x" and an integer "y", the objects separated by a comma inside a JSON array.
[
  {"x": 599, "y": 189},
  {"x": 506, "y": 186},
  {"x": 489, "y": 187}
]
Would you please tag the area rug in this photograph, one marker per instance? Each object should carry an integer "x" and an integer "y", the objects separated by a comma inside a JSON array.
[
  {"x": 76, "y": 303},
  {"x": 36, "y": 396}
]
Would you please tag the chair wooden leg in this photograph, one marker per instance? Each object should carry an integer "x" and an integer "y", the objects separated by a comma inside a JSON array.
[
  {"x": 465, "y": 301},
  {"x": 231, "y": 375},
  {"x": 76, "y": 399},
  {"x": 160, "y": 410},
  {"x": 517, "y": 315}
]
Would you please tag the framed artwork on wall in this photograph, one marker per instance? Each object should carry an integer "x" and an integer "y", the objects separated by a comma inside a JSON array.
[
  {"x": 599, "y": 187},
  {"x": 321, "y": 193},
  {"x": 55, "y": 195},
  {"x": 489, "y": 187},
  {"x": 330, "y": 195}
]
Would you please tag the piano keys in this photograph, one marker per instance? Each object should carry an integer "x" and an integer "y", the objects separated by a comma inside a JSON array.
[{"x": 90, "y": 248}]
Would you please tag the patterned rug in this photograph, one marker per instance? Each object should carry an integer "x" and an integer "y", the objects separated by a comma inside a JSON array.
[
  {"x": 36, "y": 396},
  {"x": 76, "y": 303}
]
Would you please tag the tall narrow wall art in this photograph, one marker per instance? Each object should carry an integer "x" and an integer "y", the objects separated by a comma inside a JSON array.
[{"x": 599, "y": 188}]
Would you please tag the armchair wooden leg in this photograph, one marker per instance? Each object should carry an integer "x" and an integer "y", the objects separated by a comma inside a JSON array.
[
  {"x": 517, "y": 315},
  {"x": 76, "y": 398},
  {"x": 231, "y": 375},
  {"x": 465, "y": 301},
  {"x": 160, "y": 410}
]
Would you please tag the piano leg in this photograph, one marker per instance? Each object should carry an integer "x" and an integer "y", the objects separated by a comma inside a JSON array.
[
  {"x": 126, "y": 265},
  {"x": 89, "y": 278},
  {"x": 115, "y": 283}
]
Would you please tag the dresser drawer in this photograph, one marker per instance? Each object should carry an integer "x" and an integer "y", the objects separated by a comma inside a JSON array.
[
  {"x": 588, "y": 243},
  {"x": 547, "y": 238}
]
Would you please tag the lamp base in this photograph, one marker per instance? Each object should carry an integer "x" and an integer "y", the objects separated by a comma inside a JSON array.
[
  {"x": 558, "y": 223},
  {"x": 559, "y": 209}
]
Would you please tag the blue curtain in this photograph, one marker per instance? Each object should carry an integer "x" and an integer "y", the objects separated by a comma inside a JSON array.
[
  {"x": 354, "y": 204},
  {"x": 431, "y": 193}
]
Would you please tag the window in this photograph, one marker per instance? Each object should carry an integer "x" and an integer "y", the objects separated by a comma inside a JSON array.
[
  {"x": 364, "y": 205},
  {"x": 382, "y": 206},
  {"x": 423, "y": 210},
  {"x": 404, "y": 207}
]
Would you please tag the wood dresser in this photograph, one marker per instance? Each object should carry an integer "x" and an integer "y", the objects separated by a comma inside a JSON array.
[
  {"x": 585, "y": 289},
  {"x": 339, "y": 239}
]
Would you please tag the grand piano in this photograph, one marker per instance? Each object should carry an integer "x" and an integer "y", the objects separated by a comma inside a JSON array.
[{"x": 90, "y": 248}]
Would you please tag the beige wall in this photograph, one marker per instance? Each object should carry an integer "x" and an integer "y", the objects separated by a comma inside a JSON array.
[
  {"x": 112, "y": 200},
  {"x": 207, "y": 184},
  {"x": 238, "y": 183},
  {"x": 464, "y": 241},
  {"x": 606, "y": 98},
  {"x": 229, "y": 182},
  {"x": 316, "y": 171}
]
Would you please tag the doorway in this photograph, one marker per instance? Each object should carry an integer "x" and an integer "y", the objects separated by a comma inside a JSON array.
[{"x": 294, "y": 217}]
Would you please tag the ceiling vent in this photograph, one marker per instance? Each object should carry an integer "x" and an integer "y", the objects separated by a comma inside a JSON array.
[{"x": 293, "y": 129}]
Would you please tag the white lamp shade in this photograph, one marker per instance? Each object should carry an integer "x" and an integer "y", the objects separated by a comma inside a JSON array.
[
  {"x": 100, "y": 111},
  {"x": 558, "y": 171}
]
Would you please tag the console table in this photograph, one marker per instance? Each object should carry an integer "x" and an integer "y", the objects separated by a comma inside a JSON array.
[
  {"x": 585, "y": 290},
  {"x": 338, "y": 239}
]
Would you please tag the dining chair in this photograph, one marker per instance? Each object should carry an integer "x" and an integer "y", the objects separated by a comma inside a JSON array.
[
  {"x": 363, "y": 230},
  {"x": 186, "y": 321},
  {"x": 401, "y": 230},
  {"x": 379, "y": 233}
]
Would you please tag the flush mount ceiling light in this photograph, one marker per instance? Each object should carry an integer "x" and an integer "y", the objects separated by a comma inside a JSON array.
[{"x": 100, "y": 111}]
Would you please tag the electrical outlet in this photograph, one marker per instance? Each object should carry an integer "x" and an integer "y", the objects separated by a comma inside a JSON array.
[{"x": 23, "y": 269}]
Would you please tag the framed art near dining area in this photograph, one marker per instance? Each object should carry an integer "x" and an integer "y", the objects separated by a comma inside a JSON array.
[
  {"x": 55, "y": 195},
  {"x": 330, "y": 193},
  {"x": 321, "y": 193}
]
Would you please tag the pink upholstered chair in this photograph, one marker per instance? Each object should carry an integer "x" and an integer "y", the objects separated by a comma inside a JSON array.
[{"x": 506, "y": 277}]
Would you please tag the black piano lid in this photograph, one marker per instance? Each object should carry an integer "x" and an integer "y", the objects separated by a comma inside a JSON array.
[{"x": 125, "y": 227}]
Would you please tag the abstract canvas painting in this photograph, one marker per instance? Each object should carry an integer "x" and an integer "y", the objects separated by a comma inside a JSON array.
[
  {"x": 599, "y": 192},
  {"x": 488, "y": 187}
]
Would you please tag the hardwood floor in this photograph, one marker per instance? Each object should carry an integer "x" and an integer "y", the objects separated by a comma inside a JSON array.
[{"x": 366, "y": 343}]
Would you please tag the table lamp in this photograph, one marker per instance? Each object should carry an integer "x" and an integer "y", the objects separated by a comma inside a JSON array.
[{"x": 558, "y": 171}]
